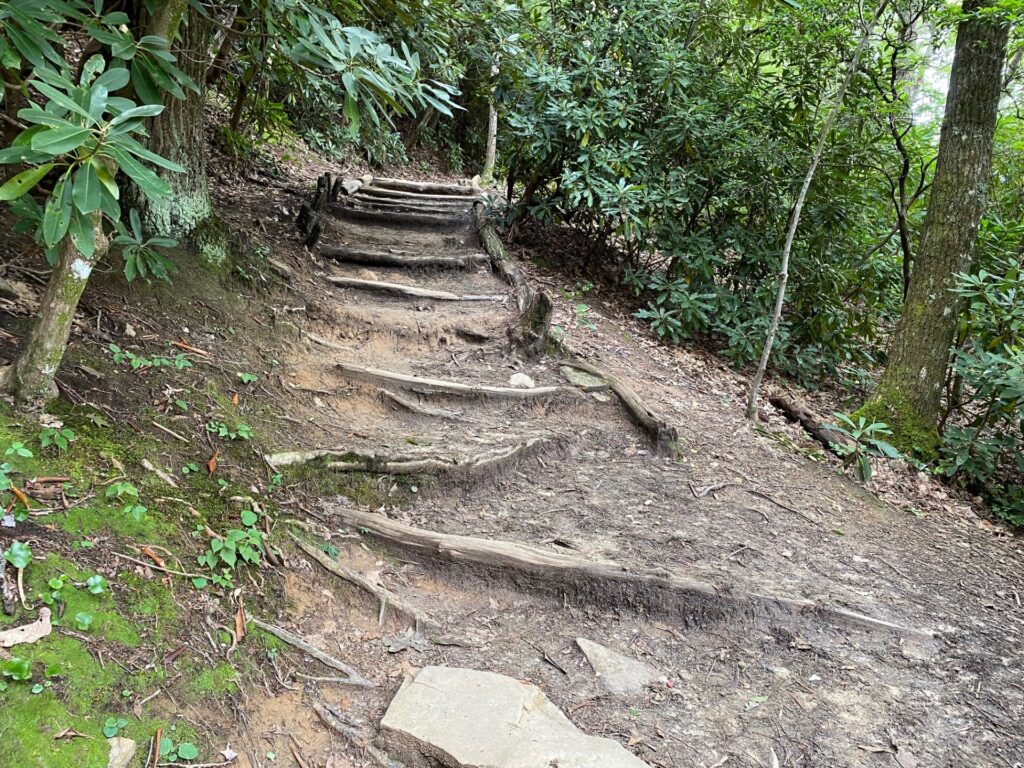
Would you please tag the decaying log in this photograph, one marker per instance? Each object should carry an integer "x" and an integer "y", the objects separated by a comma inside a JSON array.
[
  {"x": 394, "y": 206},
  {"x": 422, "y": 187},
  {"x": 659, "y": 591},
  {"x": 384, "y": 595},
  {"x": 407, "y": 290},
  {"x": 436, "y": 386},
  {"x": 400, "y": 259},
  {"x": 414, "y": 220},
  {"x": 662, "y": 434},
  {"x": 353, "y": 675},
  {"x": 809, "y": 420},
  {"x": 396, "y": 194}
]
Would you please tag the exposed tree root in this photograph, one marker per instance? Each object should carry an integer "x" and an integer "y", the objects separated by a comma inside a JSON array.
[
  {"x": 421, "y": 187},
  {"x": 317, "y": 339},
  {"x": 353, "y": 677},
  {"x": 810, "y": 421},
  {"x": 412, "y": 464},
  {"x": 607, "y": 583},
  {"x": 436, "y": 386},
  {"x": 349, "y": 733},
  {"x": 406, "y": 290},
  {"x": 662, "y": 434},
  {"x": 385, "y": 596},
  {"x": 423, "y": 410},
  {"x": 400, "y": 259}
]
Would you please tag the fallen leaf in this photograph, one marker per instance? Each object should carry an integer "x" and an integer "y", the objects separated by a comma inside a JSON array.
[
  {"x": 71, "y": 733},
  {"x": 20, "y": 495},
  {"x": 211, "y": 463},
  {"x": 27, "y": 633},
  {"x": 234, "y": 399},
  {"x": 153, "y": 556},
  {"x": 240, "y": 622},
  {"x": 228, "y": 753}
]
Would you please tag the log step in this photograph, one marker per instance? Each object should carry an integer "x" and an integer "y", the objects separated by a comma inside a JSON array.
[
  {"x": 422, "y": 187},
  {"x": 373, "y": 204},
  {"x": 397, "y": 194},
  {"x": 400, "y": 258},
  {"x": 407, "y": 290},
  {"x": 403, "y": 219}
]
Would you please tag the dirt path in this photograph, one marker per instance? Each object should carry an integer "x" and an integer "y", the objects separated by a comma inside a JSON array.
[{"x": 742, "y": 686}]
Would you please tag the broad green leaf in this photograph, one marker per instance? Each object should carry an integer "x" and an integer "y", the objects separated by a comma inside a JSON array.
[
  {"x": 150, "y": 184},
  {"x": 82, "y": 234},
  {"x": 97, "y": 101},
  {"x": 105, "y": 177},
  {"x": 61, "y": 99},
  {"x": 113, "y": 79},
  {"x": 131, "y": 145},
  {"x": 57, "y": 213},
  {"x": 86, "y": 191},
  {"x": 21, "y": 183},
  {"x": 146, "y": 110},
  {"x": 58, "y": 141}
]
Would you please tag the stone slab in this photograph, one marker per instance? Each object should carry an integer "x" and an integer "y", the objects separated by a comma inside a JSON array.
[{"x": 617, "y": 673}]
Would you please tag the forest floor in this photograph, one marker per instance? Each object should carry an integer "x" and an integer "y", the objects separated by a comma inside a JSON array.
[{"x": 750, "y": 511}]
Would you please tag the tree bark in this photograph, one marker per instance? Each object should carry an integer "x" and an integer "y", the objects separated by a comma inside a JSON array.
[
  {"x": 178, "y": 134},
  {"x": 909, "y": 394},
  {"x": 30, "y": 379}
]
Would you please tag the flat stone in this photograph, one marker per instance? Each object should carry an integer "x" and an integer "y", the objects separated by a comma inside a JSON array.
[
  {"x": 521, "y": 380},
  {"x": 588, "y": 382},
  {"x": 616, "y": 672},
  {"x": 122, "y": 751},
  {"x": 463, "y": 718}
]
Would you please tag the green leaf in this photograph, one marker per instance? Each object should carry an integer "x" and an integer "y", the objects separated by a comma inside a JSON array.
[
  {"x": 82, "y": 233},
  {"x": 18, "y": 554},
  {"x": 113, "y": 79},
  {"x": 146, "y": 110},
  {"x": 62, "y": 99},
  {"x": 187, "y": 751},
  {"x": 21, "y": 183},
  {"x": 131, "y": 145},
  {"x": 57, "y": 213},
  {"x": 106, "y": 178},
  {"x": 86, "y": 190},
  {"x": 150, "y": 184},
  {"x": 249, "y": 517},
  {"x": 96, "y": 584},
  {"x": 60, "y": 140}
]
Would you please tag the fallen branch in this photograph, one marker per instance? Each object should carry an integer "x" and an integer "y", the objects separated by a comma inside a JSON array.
[
  {"x": 809, "y": 420},
  {"x": 167, "y": 431},
  {"x": 353, "y": 677},
  {"x": 386, "y": 259},
  {"x": 662, "y": 434},
  {"x": 609, "y": 583},
  {"x": 407, "y": 290},
  {"x": 383, "y": 595},
  {"x": 160, "y": 568},
  {"x": 433, "y": 386}
]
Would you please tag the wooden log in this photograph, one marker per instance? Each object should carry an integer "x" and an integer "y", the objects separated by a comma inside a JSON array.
[
  {"x": 376, "y": 204},
  {"x": 407, "y": 290},
  {"x": 810, "y": 421},
  {"x": 400, "y": 259},
  {"x": 395, "y": 194},
  {"x": 423, "y": 187},
  {"x": 503, "y": 265},
  {"x": 440, "y": 386},
  {"x": 412, "y": 220},
  {"x": 663, "y": 435},
  {"x": 608, "y": 583}
]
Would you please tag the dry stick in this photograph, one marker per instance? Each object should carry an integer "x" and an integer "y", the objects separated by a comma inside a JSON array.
[
  {"x": 160, "y": 568},
  {"x": 407, "y": 290},
  {"x": 354, "y": 677},
  {"x": 385, "y": 259},
  {"x": 170, "y": 432},
  {"x": 794, "y": 219},
  {"x": 384, "y": 595},
  {"x": 667, "y": 587},
  {"x": 428, "y": 385}
]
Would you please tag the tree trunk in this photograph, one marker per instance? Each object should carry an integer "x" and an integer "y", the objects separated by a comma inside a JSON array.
[
  {"x": 178, "y": 134},
  {"x": 487, "y": 176},
  {"x": 909, "y": 394},
  {"x": 218, "y": 67},
  {"x": 30, "y": 379}
]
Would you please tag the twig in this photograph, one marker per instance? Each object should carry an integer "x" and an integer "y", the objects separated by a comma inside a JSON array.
[
  {"x": 354, "y": 677},
  {"x": 350, "y": 733},
  {"x": 776, "y": 502},
  {"x": 156, "y": 567},
  {"x": 176, "y": 436}
]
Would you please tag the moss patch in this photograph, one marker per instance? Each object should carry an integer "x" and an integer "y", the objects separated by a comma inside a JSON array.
[
  {"x": 909, "y": 434},
  {"x": 214, "y": 680}
]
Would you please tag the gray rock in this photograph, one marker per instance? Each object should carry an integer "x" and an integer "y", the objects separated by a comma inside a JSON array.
[
  {"x": 588, "y": 382},
  {"x": 122, "y": 751},
  {"x": 617, "y": 673},
  {"x": 462, "y": 718}
]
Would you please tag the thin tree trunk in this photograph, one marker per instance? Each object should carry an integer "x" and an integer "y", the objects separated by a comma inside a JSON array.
[
  {"x": 30, "y": 379},
  {"x": 218, "y": 67},
  {"x": 492, "y": 143},
  {"x": 794, "y": 217},
  {"x": 909, "y": 395}
]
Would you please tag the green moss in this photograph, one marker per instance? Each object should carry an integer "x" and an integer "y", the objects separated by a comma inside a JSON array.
[
  {"x": 214, "y": 680},
  {"x": 909, "y": 434}
]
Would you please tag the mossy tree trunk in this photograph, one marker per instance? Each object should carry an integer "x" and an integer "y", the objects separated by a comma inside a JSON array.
[
  {"x": 909, "y": 394},
  {"x": 30, "y": 379},
  {"x": 177, "y": 133}
]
